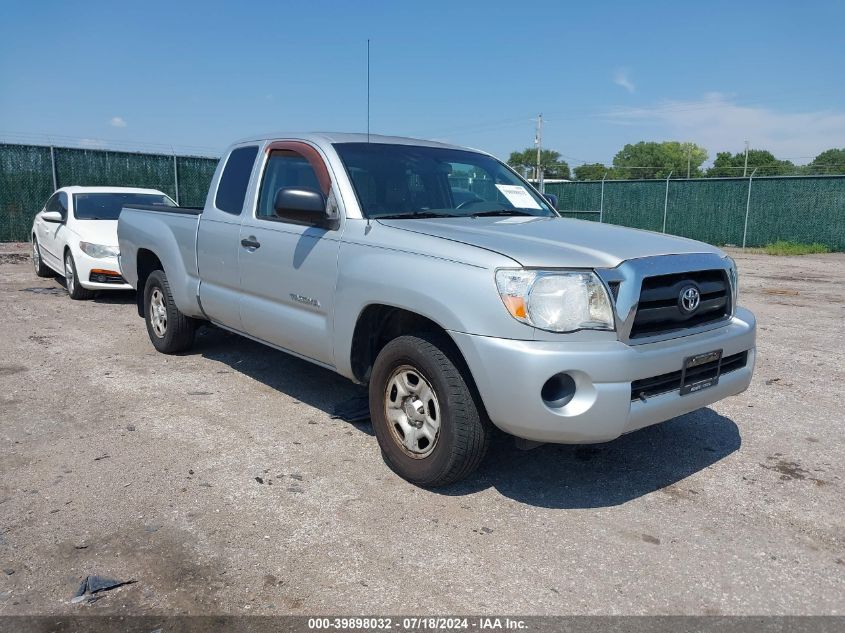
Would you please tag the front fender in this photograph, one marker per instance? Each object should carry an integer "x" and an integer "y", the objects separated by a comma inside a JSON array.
[{"x": 457, "y": 296}]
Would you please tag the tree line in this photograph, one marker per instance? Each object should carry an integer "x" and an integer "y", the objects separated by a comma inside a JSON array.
[{"x": 649, "y": 159}]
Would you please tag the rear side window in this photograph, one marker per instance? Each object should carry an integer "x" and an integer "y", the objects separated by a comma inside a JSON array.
[{"x": 233, "y": 183}]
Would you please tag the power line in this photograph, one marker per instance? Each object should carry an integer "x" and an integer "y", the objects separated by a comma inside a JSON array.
[{"x": 105, "y": 144}]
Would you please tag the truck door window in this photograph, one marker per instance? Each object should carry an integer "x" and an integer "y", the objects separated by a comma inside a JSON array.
[
  {"x": 285, "y": 168},
  {"x": 233, "y": 183}
]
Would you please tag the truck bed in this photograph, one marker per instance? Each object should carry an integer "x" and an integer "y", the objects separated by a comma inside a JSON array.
[
  {"x": 165, "y": 209},
  {"x": 168, "y": 234}
]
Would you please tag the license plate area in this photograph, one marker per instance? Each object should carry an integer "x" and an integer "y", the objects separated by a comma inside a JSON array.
[{"x": 701, "y": 372}]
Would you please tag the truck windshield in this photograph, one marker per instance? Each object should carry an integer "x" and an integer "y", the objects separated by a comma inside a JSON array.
[
  {"x": 411, "y": 181},
  {"x": 107, "y": 206}
]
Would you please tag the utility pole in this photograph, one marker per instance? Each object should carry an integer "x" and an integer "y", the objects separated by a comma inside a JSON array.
[
  {"x": 745, "y": 169},
  {"x": 689, "y": 157},
  {"x": 538, "y": 141}
]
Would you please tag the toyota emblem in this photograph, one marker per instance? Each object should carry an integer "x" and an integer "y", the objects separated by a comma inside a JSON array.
[{"x": 689, "y": 299}]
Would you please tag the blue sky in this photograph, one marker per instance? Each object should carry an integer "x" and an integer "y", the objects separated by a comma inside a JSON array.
[{"x": 199, "y": 75}]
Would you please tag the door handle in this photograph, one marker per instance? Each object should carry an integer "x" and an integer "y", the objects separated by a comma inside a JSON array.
[{"x": 250, "y": 243}]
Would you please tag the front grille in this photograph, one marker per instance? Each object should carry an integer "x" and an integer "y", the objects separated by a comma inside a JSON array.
[
  {"x": 664, "y": 383},
  {"x": 659, "y": 311}
]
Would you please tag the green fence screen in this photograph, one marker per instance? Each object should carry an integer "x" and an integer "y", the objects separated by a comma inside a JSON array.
[
  {"x": 27, "y": 174},
  {"x": 26, "y": 181},
  {"x": 715, "y": 210},
  {"x": 803, "y": 209}
]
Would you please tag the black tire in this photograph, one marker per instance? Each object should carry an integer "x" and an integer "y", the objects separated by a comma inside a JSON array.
[
  {"x": 41, "y": 269},
  {"x": 74, "y": 288},
  {"x": 464, "y": 430},
  {"x": 177, "y": 333}
]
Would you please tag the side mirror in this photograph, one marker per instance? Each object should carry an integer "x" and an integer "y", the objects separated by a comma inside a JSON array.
[
  {"x": 552, "y": 198},
  {"x": 52, "y": 216},
  {"x": 305, "y": 206}
]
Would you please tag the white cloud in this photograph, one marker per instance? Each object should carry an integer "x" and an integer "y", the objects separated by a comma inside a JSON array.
[
  {"x": 719, "y": 124},
  {"x": 620, "y": 78},
  {"x": 117, "y": 122}
]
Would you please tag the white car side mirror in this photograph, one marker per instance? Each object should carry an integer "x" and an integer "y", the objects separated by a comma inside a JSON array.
[{"x": 52, "y": 216}]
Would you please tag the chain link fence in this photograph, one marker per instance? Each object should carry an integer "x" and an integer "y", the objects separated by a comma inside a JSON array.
[
  {"x": 722, "y": 211},
  {"x": 30, "y": 173}
]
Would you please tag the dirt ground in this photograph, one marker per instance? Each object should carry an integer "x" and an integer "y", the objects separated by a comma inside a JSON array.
[{"x": 218, "y": 481}]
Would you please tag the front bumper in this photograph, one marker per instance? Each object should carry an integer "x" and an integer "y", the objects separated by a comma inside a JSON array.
[
  {"x": 85, "y": 264},
  {"x": 510, "y": 374}
]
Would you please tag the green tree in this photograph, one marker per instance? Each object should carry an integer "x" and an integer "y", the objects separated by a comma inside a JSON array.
[
  {"x": 831, "y": 161},
  {"x": 590, "y": 171},
  {"x": 766, "y": 164},
  {"x": 648, "y": 159},
  {"x": 550, "y": 161}
]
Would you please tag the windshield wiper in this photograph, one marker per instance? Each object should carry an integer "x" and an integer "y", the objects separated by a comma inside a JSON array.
[
  {"x": 415, "y": 214},
  {"x": 487, "y": 214}
]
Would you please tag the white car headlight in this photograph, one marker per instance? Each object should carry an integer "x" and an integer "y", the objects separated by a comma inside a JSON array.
[
  {"x": 554, "y": 300},
  {"x": 98, "y": 251}
]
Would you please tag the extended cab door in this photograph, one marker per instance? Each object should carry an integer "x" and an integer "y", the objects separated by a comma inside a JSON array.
[
  {"x": 218, "y": 239},
  {"x": 288, "y": 268}
]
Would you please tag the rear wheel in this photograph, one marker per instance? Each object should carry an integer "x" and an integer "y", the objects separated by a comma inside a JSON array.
[
  {"x": 41, "y": 269},
  {"x": 429, "y": 427},
  {"x": 170, "y": 331},
  {"x": 74, "y": 288}
]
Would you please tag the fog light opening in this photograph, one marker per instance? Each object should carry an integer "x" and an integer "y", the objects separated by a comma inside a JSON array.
[{"x": 558, "y": 391}]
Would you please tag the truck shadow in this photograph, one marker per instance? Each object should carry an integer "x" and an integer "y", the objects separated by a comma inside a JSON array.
[
  {"x": 601, "y": 475},
  {"x": 551, "y": 476},
  {"x": 296, "y": 378}
]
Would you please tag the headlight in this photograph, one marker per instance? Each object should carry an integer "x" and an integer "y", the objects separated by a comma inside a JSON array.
[
  {"x": 556, "y": 301},
  {"x": 734, "y": 281},
  {"x": 98, "y": 251}
]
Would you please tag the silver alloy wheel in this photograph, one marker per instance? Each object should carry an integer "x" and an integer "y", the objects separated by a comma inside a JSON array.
[
  {"x": 412, "y": 411},
  {"x": 36, "y": 256},
  {"x": 158, "y": 312},
  {"x": 69, "y": 276}
]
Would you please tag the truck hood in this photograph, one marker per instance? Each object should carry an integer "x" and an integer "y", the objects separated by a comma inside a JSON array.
[{"x": 554, "y": 242}]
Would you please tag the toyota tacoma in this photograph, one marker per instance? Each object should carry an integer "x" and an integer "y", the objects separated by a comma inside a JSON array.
[{"x": 440, "y": 278}]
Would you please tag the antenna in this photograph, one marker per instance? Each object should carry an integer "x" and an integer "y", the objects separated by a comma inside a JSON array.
[{"x": 368, "y": 90}]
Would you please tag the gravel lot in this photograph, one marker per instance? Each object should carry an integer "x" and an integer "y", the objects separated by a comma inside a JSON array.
[{"x": 219, "y": 482}]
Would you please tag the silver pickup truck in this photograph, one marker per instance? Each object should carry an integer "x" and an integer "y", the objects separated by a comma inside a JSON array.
[{"x": 439, "y": 277}]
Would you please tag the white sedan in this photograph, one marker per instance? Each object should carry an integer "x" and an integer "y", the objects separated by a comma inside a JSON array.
[{"x": 75, "y": 235}]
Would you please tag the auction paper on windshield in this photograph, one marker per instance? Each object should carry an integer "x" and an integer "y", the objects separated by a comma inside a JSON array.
[{"x": 518, "y": 196}]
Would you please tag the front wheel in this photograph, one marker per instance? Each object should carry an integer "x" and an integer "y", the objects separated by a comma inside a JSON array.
[
  {"x": 41, "y": 269},
  {"x": 74, "y": 288},
  {"x": 170, "y": 331},
  {"x": 425, "y": 417}
]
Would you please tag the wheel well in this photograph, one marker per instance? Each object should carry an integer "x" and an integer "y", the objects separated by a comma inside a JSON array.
[
  {"x": 379, "y": 324},
  {"x": 147, "y": 262}
]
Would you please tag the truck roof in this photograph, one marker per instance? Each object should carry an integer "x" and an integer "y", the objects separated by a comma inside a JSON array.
[{"x": 321, "y": 138}]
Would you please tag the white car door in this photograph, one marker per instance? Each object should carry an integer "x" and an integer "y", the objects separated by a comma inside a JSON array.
[{"x": 51, "y": 235}]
